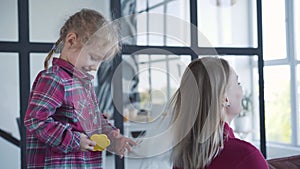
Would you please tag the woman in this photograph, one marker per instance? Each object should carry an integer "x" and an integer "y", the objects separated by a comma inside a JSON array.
[{"x": 208, "y": 99}]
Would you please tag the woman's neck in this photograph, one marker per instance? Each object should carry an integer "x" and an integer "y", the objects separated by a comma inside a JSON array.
[{"x": 228, "y": 119}]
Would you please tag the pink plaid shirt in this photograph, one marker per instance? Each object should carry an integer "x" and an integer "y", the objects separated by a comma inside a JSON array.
[{"x": 62, "y": 105}]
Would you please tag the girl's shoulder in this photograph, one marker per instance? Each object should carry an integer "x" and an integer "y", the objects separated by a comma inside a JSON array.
[
  {"x": 50, "y": 75},
  {"x": 56, "y": 72}
]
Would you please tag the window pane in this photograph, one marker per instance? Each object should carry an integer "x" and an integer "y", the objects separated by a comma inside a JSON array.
[
  {"x": 153, "y": 77},
  {"x": 10, "y": 108},
  {"x": 36, "y": 65},
  {"x": 298, "y": 99},
  {"x": 274, "y": 31},
  {"x": 9, "y": 20},
  {"x": 154, "y": 23},
  {"x": 228, "y": 23},
  {"x": 149, "y": 81},
  {"x": 245, "y": 67},
  {"x": 10, "y": 92},
  {"x": 273, "y": 96},
  {"x": 277, "y": 104},
  {"x": 47, "y": 17},
  {"x": 297, "y": 27}
]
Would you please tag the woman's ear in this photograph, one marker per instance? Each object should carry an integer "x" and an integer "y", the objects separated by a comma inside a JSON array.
[{"x": 226, "y": 102}]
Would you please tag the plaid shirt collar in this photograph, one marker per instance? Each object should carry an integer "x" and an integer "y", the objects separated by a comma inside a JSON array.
[{"x": 71, "y": 69}]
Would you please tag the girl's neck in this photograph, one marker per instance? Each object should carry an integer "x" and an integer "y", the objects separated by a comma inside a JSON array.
[{"x": 64, "y": 57}]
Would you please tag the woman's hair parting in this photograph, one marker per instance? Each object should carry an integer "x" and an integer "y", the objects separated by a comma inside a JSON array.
[
  {"x": 86, "y": 23},
  {"x": 197, "y": 111}
]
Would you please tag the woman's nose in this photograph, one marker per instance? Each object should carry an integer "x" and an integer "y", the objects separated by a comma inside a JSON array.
[{"x": 93, "y": 67}]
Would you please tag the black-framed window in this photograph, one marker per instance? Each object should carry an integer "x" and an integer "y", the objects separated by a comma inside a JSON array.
[
  {"x": 27, "y": 44},
  {"x": 242, "y": 47}
]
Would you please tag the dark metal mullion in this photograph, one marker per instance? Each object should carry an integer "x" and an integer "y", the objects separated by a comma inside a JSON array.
[
  {"x": 157, "y": 60},
  {"x": 261, "y": 80},
  {"x": 155, "y": 6},
  {"x": 227, "y": 51},
  {"x": 194, "y": 27},
  {"x": 167, "y": 56},
  {"x": 149, "y": 55},
  {"x": 24, "y": 71},
  {"x": 9, "y": 46},
  {"x": 24, "y": 80},
  {"x": 117, "y": 86},
  {"x": 147, "y": 12},
  {"x": 118, "y": 105},
  {"x": 33, "y": 47},
  {"x": 132, "y": 49},
  {"x": 40, "y": 47},
  {"x": 165, "y": 24}
]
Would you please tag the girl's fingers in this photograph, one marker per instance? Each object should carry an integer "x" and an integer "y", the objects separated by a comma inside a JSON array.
[
  {"x": 128, "y": 143},
  {"x": 131, "y": 142},
  {"x": 90, "y": 148},
  {"x": 122, "y": 153},
  {"x": 116, "y": 133},
  {"x": 128, "y": 147},
  {"x": 86, "y": 144},
  {"x": 92, "y": 143},
  {"x": 124, "y": 146}
]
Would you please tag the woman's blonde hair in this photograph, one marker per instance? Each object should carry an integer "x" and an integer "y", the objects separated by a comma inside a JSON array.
[
  {"x": 199, "y": 144},
  {"x": 86, "y": 23}
]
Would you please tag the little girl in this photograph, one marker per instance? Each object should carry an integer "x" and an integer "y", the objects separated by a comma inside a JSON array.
[{"x": 63, "y": 112}]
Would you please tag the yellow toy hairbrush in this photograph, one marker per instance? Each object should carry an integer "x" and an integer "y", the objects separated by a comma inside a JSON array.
[{"x": 101, "y": 142}]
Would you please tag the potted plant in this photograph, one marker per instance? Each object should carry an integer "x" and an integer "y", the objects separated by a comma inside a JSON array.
[{"x": 242, "y": 121}]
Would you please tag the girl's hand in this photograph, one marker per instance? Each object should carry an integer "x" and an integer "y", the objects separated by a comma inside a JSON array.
[
  {"x": 122, "y": 143},
  {"x": 85, "y": 143}
]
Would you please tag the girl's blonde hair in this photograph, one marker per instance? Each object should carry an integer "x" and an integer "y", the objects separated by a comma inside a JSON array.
[
  {"x": 86, "y": 23},
  {"x": 199, "y": 144}
]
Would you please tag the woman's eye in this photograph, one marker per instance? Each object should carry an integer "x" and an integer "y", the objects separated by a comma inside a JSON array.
[
  {"x": 94, "y": 58},
  {"x": 239, "y": 83}
]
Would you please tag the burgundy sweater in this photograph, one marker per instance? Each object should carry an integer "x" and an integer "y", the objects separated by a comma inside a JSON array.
[{"x": 237, "y": 154}]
